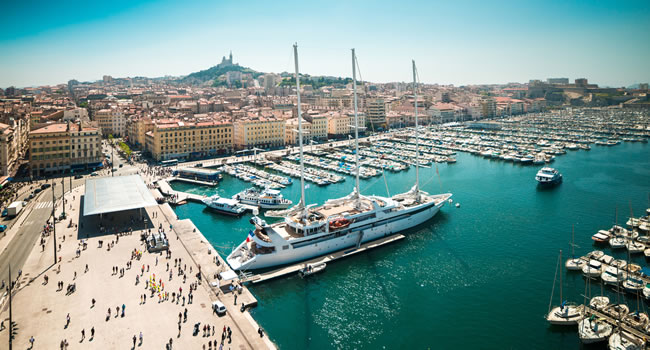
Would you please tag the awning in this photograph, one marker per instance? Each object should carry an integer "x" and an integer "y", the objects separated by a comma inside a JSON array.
[
  {"x": 112, "y": 194},
  {"x": 228, "y": 275}
]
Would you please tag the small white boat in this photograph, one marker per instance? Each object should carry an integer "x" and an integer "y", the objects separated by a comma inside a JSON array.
[
  {"x": 633, "y": 285},
  {"x": 625, "y": 341},
  {"x": 599, "y": 302},
  {"x": 613, "y": 275},
  {"x": 596, "y": 254},
  {"x": 617, "y": 242},
  {"x": 621, "y": 264},
  {"x": 567, "y": 314},
  {"x": 594, "y": 330},
  {"x": 546, "y": 176},
  {"x": 593, "y": 269},
  {"x": 575, "y": 264},
  {"x": 224, "y": 205},
  {"x": 635, "y": 247},
  {"x": 311, "y": 269},
  {"x": 601, "y": 236}
]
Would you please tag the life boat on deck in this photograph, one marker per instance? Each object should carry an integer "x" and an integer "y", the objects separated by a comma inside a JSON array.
[{"x": 339, "y": 224}]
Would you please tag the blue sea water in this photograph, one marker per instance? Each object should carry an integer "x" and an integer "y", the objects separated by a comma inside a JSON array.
[{"x": 478, "y": 276}]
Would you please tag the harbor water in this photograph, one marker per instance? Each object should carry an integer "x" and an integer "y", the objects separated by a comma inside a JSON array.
[{"x": 478, "y": 276}]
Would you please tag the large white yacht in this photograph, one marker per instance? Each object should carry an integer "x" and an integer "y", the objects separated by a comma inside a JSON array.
[
  {"x": 307, "y": 231},
  {"x": 224, "y": 205},
  {"x": 265, "y": 199},
  {"x": 548, "y": 176}
]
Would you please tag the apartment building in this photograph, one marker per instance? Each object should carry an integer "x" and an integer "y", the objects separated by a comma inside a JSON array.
[
  {"x": 175, "y": 139},
  {"x": 8, "y": 150},
  {"x": 263, "y": 132},
  {"x": 111, "y": 121},
  {"x": 318, "y": 126},
  {"x": 376, "y": 113},
  {"x": 61, "y": 147},
  {"x": 291, "y": 132},
  {"x": 341, "y": 124},
  {"x": 136, "y": 130}
]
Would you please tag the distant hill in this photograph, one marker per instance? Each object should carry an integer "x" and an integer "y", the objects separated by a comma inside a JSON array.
[{"x": 215, "y": 75}]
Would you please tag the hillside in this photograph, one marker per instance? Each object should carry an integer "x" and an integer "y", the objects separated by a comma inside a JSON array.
[{"x": 215, "y": 75}]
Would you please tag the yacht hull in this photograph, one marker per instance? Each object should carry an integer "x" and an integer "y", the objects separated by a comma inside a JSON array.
[{"x": 416, "y": 216}]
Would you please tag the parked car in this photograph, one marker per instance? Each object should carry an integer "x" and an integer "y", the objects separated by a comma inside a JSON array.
[
  {"x": 93, "y": 174},
  {"x": 78, "y": 176},
  {"x": 219, "y": 307},
  {"x": 4, "y": 212},
  {"x": 37, "y": 190},
  {"x": 3, "y": 228},
  {"x": 44, "y": 186}
]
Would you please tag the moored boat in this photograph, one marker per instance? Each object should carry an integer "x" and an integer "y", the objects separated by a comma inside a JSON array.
[
  {"x": 311, "y": 269},
  {"x": 594, "y": 330}
]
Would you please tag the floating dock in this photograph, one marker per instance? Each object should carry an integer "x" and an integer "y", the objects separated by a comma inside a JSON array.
[{"x": 283, "y": 271}]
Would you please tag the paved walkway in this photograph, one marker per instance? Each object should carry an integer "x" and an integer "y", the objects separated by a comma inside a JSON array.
[{"x": 40, "y": 309}]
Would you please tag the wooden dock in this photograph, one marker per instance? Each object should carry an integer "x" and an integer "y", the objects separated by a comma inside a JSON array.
[
  {"x": 323, "y": 259},
  {"x": 588, "y": 311},
  {"x": 167, "y": 190}
]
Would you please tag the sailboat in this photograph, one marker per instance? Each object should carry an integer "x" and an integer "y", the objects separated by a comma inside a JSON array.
[
  {"x": 567, "y": 314},
  {"x": 574, "y": 263},
  {"x": 308, "y": 231},
  {"x": 593, "y": 329}
]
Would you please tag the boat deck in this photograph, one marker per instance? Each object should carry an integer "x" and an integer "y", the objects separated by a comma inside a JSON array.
[{"x": 283, "y": 271}]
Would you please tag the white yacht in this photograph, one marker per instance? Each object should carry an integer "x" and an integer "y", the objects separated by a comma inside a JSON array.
[
  {"x": 265, "y": 199},
  {"x": 307, "y": 231},
  {"x": 625, "y": 341},
  {"x": 224, "y": 205},
  {"x": 548, "y": 176}
]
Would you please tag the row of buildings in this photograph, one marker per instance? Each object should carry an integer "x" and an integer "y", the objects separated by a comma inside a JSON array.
[{"x": 53, "y": 129}]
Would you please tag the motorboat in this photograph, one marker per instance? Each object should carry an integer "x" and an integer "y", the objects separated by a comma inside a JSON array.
[
  {"x": 593, "y": 269},
  {"x": 548, "y": 176},
  {"x": 601, "y": 237},
  {"x": 224, "y": 205},
  {"x": 617, "y": 242},
  {"x": 265, "y": 199},
  {"x": 621, "y": 340},
  {"x": 633, "y": 285},
  {"x": 311, "y": 269},
  {"x": 635, "y": 247},
  {"x": 620, "y": 263},
  {"x": 613, "y": 275},
  {"x": 594, "y": 330},
  {"x": 596, "y": 254},
  {"x": 575, "y": 264},
  {"x": 599, "y": 303}
]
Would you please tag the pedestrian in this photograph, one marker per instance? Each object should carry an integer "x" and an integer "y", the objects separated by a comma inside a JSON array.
[
  {"x": 67, "y": 320},
  {"x": 31, "y": 342},
  {"x": 92, "y": 333},
  {"x": 134, "y": 340},
  {"x": 140, "y": 338},
  {"x": 83, "y": 334},
  {"x": 93, "y": 303}
]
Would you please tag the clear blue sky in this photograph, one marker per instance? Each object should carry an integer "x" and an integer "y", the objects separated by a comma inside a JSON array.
[{"x": 458, "y": 42}]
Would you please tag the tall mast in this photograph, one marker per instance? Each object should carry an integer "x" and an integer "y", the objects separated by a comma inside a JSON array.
[
  {"x": 356, "y": 127},
  {"x": 417, "y": 139},
  {"x": 302, "y": 203}
]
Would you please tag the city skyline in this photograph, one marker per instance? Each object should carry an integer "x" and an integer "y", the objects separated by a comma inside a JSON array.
[{"x": 462, "y": 44}]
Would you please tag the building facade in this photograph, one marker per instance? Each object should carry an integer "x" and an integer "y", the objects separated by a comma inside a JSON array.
[{"x": 180, "y": 140}]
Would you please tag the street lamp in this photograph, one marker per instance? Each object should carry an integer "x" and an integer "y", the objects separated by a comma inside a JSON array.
[{"x": 54, "y": 220}]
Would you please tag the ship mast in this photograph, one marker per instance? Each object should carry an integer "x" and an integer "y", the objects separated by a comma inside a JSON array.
[
  {"x": 417, "y": 139},
  {"x": 356, "y": 129},
  {"x": 302, "y": 203}
]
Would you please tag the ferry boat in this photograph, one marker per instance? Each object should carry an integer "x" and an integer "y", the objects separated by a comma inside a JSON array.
[
  {"x": 345, "y": 223},
  {"x": 266, "y": 199},
  {"x": 548, "y": 176},
  {"x": 224, "y": 205}
]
